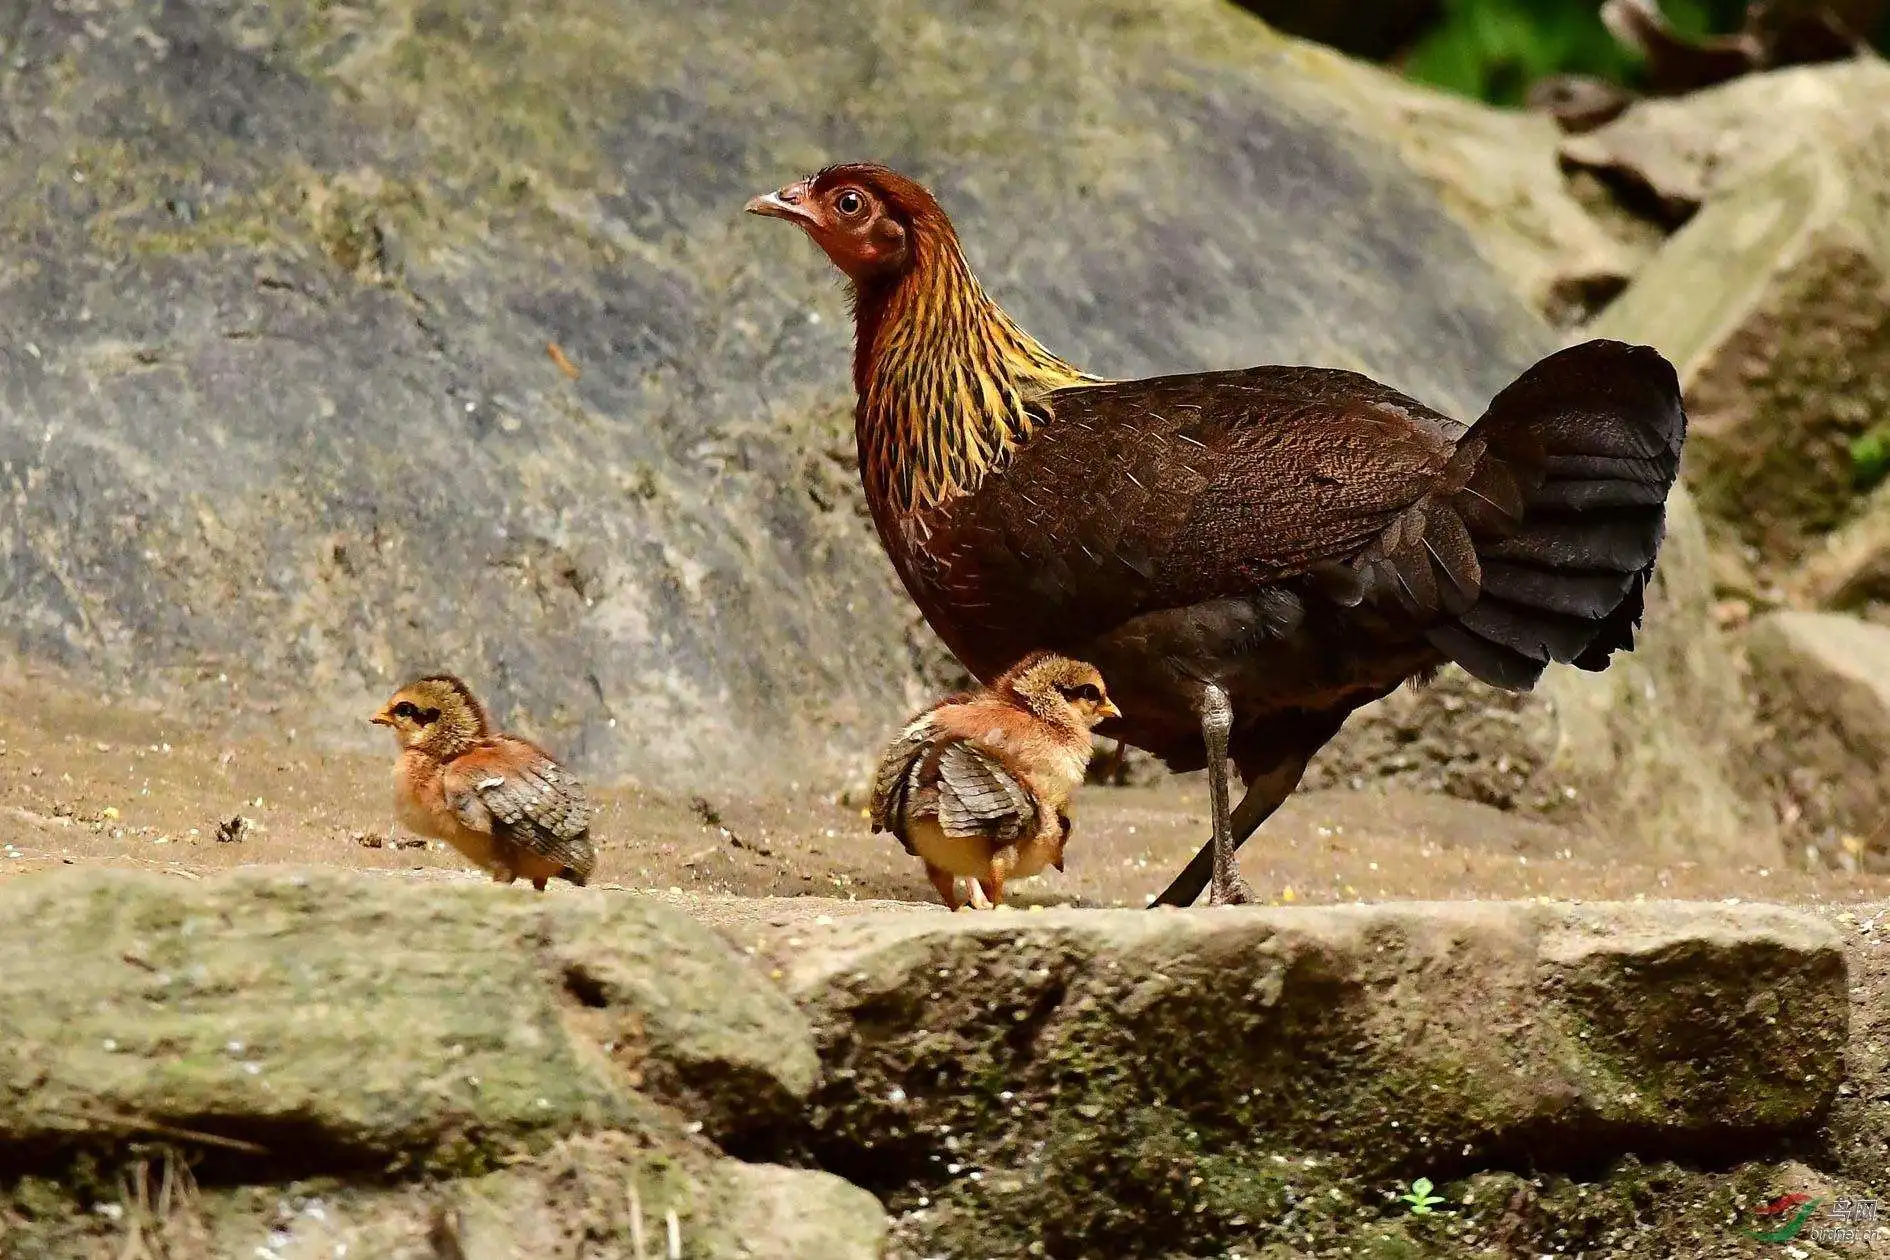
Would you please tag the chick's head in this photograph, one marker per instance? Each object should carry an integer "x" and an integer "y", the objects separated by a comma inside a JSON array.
[
  {"x": 436, "y": 714},
  {"x": 1061, "y": 691}
]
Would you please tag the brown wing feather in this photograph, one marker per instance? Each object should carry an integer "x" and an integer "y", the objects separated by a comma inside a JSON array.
[
  {"x": 1174, "y": 491},
  {"x": 929, "y": 773},
  {"x": 898, "y": 774},
  {"x": 517, "y": 793},
  {"x": 977, "y": 796}
]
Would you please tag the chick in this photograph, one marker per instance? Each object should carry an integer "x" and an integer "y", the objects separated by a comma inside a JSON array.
[
  {"x": 500, "y": 800},
  {"x": 977, "y": 785}
]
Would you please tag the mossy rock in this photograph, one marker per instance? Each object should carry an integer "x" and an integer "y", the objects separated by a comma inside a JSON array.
[
  {"x": 316, "y": 1021},
  {"x": 1126, "y": 1081},
  {"x": 596, "y": 1194}
]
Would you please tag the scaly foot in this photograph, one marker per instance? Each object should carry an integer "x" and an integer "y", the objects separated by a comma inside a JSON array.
[{"x": 1236, "y": 893}]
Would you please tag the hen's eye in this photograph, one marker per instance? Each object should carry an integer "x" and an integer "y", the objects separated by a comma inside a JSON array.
[{"x": 849, "y": 203}]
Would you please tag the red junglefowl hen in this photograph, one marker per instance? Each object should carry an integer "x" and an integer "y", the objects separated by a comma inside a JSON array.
[
  {"x": 978, "y": 785},
  {"x": 500, "y": 800},
  {"x": 1247, "y": 556}
]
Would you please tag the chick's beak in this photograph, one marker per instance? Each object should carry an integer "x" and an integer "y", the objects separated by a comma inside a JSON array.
[
  {"x": 1109, "y": 709},
  {"x": 381, "y": 719},
  {"x": 790, "y": 203}
]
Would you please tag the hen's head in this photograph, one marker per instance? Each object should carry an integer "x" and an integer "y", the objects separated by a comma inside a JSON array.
[
  {"x": 437, "y": 715},
  {"x": 866, "y": 217},
  {"x": 1059, "y": 690}
]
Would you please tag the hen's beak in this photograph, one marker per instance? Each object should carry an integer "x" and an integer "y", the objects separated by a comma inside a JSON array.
[{"x": 790, "y": 203}]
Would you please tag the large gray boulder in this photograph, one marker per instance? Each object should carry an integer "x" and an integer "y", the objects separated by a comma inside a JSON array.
[
  {"x": 1374, "y": 29},
  {"x": 277, "y": 404}
]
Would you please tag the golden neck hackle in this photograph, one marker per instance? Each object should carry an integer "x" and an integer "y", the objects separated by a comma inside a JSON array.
[{"x": 945, "y": 378}]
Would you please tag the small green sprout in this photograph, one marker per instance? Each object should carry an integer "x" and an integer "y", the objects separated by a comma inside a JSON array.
[{"x": 1421, "y": 1199}]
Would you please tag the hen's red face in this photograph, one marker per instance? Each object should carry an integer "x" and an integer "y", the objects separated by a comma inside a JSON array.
[{"x": 847, "y": 219}]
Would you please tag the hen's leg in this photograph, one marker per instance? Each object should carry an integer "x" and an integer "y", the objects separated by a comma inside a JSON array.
[
  {"x": 1217, "y": 722},
  {"x": 1272, "y": 770},
  {"x": 1264, "y": 795}
]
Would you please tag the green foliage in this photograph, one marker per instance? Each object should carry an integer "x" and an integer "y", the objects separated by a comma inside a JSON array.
[
  {"x": 1870, "y": 459},
  {"x": 1494, "y": 49},
  {"x": 1420, "y": 1199}
]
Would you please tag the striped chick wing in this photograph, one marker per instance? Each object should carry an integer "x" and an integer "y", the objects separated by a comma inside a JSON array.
[
  {"x": 979, "y": 796},
  {"x": 930, "y": 773},
  {"x": 515, "y": 792},
  {"x": 899, "y": 777}
]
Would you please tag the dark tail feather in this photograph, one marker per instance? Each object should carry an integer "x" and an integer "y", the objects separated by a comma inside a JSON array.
[{"x": 1568, "y": 504}]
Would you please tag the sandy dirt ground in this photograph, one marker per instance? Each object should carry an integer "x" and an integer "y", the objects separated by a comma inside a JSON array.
[{"x": 86, "y": 780}]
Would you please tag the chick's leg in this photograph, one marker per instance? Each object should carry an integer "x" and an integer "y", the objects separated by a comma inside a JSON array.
[
  {"x": 946, "y": 883},
  {"x": 993, "y": 885},
  {"x": 1217, "y": 722}
]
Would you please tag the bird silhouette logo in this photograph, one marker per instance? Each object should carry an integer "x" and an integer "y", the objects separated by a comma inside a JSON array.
[{"x": 1787, "y": 1214}]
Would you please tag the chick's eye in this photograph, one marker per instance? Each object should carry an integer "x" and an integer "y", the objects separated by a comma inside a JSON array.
[
  {"x": 849, "y": 203},
  {"x": 1088, "y": 692},
  {"x": 405, "y": 709}
]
